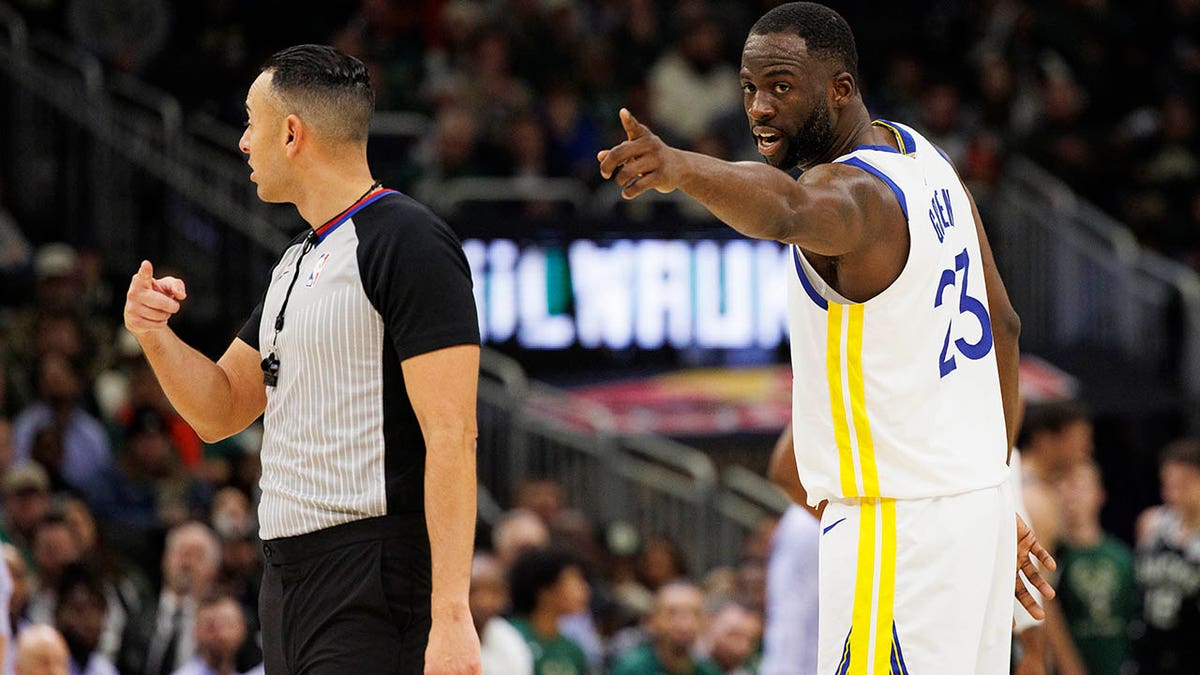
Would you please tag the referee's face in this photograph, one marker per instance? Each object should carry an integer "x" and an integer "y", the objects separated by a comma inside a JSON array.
[{"x": 265, "y": 140}]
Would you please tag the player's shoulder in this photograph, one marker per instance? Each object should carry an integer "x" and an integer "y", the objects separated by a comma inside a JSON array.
[{"x": 830, "y": 172}]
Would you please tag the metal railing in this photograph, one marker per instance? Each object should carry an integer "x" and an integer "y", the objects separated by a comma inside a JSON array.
[
  {"x": 1080, "y": 280},
  {"x": 108, "y": 161},
  {"x": 663, "y": 488}
]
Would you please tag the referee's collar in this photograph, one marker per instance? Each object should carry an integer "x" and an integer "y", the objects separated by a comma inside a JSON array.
[{"x": 336, "y": 222}]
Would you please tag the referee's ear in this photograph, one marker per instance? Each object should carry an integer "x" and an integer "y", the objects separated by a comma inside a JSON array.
[{"x": 296, "y": 134}]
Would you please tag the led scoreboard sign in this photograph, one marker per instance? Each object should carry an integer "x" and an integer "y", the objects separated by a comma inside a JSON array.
[{"x": 643, "y": 293}]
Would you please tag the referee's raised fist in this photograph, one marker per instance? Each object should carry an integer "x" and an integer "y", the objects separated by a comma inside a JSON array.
[{"x": 150, "y": 302}]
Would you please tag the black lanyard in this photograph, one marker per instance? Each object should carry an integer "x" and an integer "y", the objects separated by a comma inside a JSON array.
[{"x": 270, "y": 365}]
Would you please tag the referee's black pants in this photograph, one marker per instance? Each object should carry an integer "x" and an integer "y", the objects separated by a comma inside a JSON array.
[{"x": 347, "y": 600}]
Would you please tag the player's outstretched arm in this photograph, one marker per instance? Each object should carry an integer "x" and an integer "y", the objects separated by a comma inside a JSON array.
[
  {"x": 217, "y": 399},
  {"x": 828, "y": 211},
  {"x": 1028, "y": 548}
]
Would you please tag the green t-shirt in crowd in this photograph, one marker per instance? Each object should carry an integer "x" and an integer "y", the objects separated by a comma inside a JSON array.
[
  {"x": 1099, "y": 599},
  {"x": 643, "y": 661},
  {"x": 556, "y": 656}
]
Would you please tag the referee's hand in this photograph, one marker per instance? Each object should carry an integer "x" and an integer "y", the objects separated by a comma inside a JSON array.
[
  {"x": 453, "y": 646},
  {"x": 150, "y": 302}
]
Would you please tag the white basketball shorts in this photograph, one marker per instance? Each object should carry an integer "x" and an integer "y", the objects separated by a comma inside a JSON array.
[{"x": 918, "y": 585}]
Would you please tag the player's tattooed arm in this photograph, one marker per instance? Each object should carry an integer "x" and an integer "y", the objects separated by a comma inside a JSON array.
[{"x": 831, "y": 210}]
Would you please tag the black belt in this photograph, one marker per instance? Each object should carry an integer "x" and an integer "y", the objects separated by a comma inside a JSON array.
[{"x": 303, "y": 546}]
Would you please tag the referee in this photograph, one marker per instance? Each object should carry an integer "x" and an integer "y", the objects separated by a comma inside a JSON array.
[{"x": 363, "y": 358}]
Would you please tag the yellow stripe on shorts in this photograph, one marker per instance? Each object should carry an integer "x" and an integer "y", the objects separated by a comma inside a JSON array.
[
  {"x": 874, "y": 604},
  {"x": 887, "y": 587},
  {"x": 860, "y": 627}
]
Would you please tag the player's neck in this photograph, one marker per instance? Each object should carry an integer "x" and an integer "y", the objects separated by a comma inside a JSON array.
[
  {"x": 853, "y": 129},
  {"x": 330, "y": 189}
]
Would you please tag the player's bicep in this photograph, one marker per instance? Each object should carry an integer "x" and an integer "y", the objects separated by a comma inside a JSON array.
[
  {"x": 247, "y": 394},
  {"x": 839, "y": 208}
]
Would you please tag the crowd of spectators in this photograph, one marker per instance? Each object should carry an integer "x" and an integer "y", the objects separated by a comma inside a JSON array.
[
  {"x": 137, "y": 542},
  {"x": 1101, "y": 93},
  {"x": 1121, "y": 607}
]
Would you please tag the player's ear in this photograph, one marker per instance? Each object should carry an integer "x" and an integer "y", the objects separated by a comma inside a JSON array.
[{"x": 842, "y": 88}]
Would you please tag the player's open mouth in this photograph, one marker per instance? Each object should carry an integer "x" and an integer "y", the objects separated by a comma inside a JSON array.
[{"x": 769, "y": 141}]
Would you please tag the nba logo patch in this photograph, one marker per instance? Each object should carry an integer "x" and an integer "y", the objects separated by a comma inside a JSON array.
[{"x": 315, "y": 274}]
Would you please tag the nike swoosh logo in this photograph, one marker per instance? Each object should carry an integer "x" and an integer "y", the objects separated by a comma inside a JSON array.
[{"x": 826, "y": 530}]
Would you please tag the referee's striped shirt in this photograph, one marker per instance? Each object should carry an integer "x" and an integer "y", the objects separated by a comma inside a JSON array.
[{"x": 386, "y": 281}]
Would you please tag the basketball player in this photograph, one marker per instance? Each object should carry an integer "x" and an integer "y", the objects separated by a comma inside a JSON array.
[{"x": 904, "y": 350}]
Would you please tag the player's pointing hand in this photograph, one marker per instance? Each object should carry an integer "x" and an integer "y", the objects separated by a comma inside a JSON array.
[
  {"x": 150, "y": 302},
  {"x": 633, "y": 128},
  {"x": 642, "y": 162}
]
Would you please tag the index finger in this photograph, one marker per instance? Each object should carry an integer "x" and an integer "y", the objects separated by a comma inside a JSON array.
[
  {"x": 633, "y": 128},
  {"x": 171, "y": 286}
]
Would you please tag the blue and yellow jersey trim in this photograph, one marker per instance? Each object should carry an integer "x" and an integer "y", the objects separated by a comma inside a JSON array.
[{"x": 908, "y": 144}]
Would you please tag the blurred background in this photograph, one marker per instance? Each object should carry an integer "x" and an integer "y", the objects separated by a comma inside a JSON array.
[{"x": 635, "y": 375}]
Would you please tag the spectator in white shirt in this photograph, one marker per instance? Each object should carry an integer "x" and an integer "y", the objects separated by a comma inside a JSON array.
[
  {"x": 504, "y": 651},
  {"x": 790, "y": 638}
]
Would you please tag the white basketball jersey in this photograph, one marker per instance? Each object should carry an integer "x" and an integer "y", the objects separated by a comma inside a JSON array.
[{"x": 899, "y": 396}]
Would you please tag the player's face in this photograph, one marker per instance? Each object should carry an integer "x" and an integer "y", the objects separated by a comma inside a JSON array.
[
  {"x": 264, "y": 140},
  {"x": 784, "y": 94}
]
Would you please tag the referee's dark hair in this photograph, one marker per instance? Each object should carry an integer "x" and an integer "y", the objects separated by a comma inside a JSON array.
[
  {"x": 826, "y": 34},
  {"x": 327, "y": 89},
  {"x": 535, "y": 571}
]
